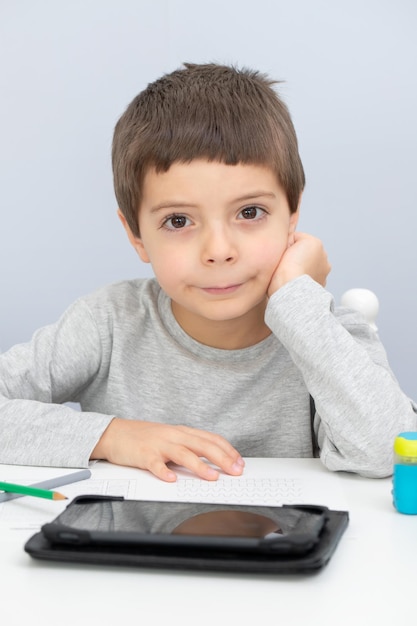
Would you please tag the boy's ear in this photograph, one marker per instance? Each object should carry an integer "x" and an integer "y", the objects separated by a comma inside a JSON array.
[
  {"x": 294, "y": 217},
  {"x": 136, "y": 241},
  {"x": 293, "y": 224}
]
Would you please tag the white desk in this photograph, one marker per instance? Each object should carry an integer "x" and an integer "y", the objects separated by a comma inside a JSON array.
[{"x": 372, "y": 577}]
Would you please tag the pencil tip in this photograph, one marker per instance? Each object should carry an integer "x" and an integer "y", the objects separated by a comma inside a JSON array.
[{"x": 59, "y": 496}]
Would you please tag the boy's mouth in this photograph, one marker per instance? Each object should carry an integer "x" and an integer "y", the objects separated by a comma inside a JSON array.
[{"x": 221, "y": 290}]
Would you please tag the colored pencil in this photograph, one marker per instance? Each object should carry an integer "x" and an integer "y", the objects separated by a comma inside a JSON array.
[{"x": 32, "y": 491}]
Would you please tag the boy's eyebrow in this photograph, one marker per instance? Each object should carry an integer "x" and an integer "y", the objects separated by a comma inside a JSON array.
[
  {"x": 183, "y": 205},
  {"x": 255, "y": 194},
  {"x": 171, "y": 205}
]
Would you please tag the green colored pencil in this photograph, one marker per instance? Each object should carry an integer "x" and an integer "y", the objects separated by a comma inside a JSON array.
[{"x": 32, "y": 491}]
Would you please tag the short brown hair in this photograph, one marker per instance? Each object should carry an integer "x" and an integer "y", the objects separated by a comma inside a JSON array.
[{"x": 209, "y": 111}]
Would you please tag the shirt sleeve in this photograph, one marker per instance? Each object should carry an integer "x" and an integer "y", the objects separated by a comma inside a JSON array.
[
  {"x": 36, "y": 379},
  {"x": 360, "y": 407}
]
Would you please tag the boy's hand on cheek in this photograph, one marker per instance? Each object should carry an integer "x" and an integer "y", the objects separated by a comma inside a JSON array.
[
  {"x": 150, "y": 446},
  {"x": 305, "y": 255}
]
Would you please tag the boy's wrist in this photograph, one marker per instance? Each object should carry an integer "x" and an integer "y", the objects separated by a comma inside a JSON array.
[
  {"x": 101, "y": 449},
  {"x": 279, "y": 281}
]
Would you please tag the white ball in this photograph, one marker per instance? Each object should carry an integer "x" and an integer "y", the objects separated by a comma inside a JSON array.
[{"x": 364, "y": 301}]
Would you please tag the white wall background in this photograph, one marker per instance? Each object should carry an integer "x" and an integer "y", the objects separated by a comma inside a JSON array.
[{"x": 69, "y": 69}]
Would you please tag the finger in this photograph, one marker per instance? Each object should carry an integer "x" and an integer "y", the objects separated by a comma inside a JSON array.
[
  {"x": 191, "y": 461},
  {"x": 212, "y": 438},
  {"x": 190, "y": 455},
  {"x": 182, "y": 457},
  {"x": 159, "y": 469},
  {"x": 216, "y": 449}
]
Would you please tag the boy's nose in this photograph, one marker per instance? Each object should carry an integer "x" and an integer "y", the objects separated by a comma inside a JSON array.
[{"x": 218, "y": 246}]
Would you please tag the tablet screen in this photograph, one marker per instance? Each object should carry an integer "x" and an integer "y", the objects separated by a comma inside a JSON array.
[{"x": 116, "y": 520}]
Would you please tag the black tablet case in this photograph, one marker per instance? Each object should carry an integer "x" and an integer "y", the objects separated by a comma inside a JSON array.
[{"x": 198, "y": 558}]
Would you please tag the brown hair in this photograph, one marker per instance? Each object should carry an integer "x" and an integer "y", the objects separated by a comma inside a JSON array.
[{"x": 214, "y": 112}]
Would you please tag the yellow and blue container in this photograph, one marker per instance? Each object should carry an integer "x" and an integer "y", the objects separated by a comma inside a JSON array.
[{"x": 404, "y": 478}]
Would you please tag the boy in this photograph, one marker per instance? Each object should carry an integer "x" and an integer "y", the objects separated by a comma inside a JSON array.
[{"x": 219, "y": 356}]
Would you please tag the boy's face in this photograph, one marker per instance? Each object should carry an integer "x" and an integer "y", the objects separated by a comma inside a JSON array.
[{"x": 214, "y": 234}]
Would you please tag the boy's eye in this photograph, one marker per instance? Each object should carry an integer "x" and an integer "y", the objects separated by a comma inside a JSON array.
[
  {"x": 251, "y": 212},
  {"x": 175, "y": 222}
]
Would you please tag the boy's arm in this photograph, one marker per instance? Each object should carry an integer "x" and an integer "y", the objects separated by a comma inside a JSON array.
[
  {"x": 360, "y": 406},
  {"x": 35, "y": 378},
  {"x": 35, "y": 429}
]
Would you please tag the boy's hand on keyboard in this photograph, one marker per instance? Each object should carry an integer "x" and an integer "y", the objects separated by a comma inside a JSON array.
[{"x": 150, "y": 445}]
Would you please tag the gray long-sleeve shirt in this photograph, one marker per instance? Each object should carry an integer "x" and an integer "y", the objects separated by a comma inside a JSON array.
[{"x": 120, "y": 352}]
